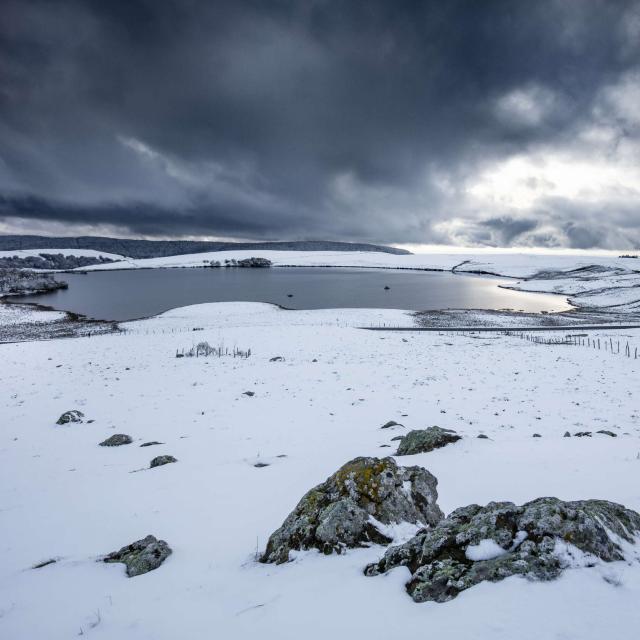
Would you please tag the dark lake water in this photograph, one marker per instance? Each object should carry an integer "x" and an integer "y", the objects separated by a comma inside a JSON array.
[{"x": 131, "y": 294}]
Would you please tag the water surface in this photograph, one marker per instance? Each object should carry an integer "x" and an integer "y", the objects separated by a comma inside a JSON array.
[{"x": 131, "y": 294}]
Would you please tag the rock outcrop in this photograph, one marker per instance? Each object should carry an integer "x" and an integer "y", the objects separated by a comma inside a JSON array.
[
  {"x": 425, "y": 440},
  {"x": 70, "y": 416},
  {"x": 158, "y": 461},
  {"x": 348, "y": 509},
  {"x": 141, "y": 556},
  {"x": 117, "y": 440},
  {"x": 538, "y": 539}
]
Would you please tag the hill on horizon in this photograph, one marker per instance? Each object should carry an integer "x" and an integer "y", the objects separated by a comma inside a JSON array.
[{"x": 161, "y": 248}]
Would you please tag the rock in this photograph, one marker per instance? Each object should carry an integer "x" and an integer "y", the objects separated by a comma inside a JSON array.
[
  {"x": 582, "y": 434},
  {"x": 536, "y": 435},
  {"x": 44, "y": 563},
  {"x": 425, "y": 440},
  {"x": 607, "y": 433},
  {"x": 261, "y": 465},
  {"x": 566, "y": 434},
  {"x": 117, "y": 440},
  {"x": 70, "y": 416},
  {"x": 482, "y": 436},
  {"x": 538, "y": 540},
  {"x": 276, "y": 359},
  {"x": 151, "y": 444},
  {"x": 161, "y": 460},
  {"x": 141, "y": 556},
  {"x": 391, "y": 423},
  {"x": 396, "y": 438},
  {"x": 249, "y": 393},
  {"x": 387, "y": 288},
  {"x": 337, "y": 514}
]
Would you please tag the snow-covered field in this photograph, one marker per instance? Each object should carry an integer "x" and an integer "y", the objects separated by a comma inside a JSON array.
[{"x": 62, "y": 496}]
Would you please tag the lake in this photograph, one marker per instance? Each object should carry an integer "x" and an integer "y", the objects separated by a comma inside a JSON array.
[{"x": 131, "y": 294}]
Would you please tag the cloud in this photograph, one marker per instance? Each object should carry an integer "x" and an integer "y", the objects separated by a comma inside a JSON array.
[{"x": 493, "y": 123}]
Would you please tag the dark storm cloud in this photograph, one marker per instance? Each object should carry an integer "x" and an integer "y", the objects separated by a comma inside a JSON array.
[{"x": 362, "y": 120}]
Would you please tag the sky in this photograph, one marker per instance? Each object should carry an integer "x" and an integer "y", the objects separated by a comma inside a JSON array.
[{"x": 462, "y": 123}]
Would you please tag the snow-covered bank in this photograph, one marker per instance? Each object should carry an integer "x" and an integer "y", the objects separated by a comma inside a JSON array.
[
  {"x": 510, "y": 265},
  {"x": 62, "y": 496}
]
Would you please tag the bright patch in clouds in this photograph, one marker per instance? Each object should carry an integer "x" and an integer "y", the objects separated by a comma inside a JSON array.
[{"x": 522, "y": 181}]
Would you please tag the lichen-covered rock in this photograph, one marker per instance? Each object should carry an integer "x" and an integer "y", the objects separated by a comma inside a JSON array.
[
  {"x": 425, "y": 440},
  {"x": 538, "y": 540},
  {"x": 117, "y": 440},
  {"x": 158, "y": 461},
  {"x": 70, "y": 416},
  {"x": 141, "y": 556},
  {"x": 347, "y": 509}
]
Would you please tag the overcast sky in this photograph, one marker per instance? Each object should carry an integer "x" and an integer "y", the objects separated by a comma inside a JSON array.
[{"x": 478, "y": 123}]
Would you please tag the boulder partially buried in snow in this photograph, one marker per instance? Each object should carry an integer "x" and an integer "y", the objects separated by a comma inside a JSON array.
[
  {"x": 425, "y": 440},
  {"x": 348, "y": 509},
  {"x": 141, "y": 556},
  {"x": 70, "y": 416},
  {"x": 117, "y": 440},
  {"x": 538, "y": 539}
]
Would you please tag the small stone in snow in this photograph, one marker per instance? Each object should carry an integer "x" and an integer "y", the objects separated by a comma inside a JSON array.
[
  {"x": 391, "y": 423},
  {"x": 70, "y": 416},
  {"x": 150, "y": 444},
  {"x": 117, "y": 440},
  {"x": 536, "y": 435},
  {"x": 161, "y": 460},
  {"x": 582, "y": 434},
  {"x": 566, "y": 434},
  {"x": 482, "y": 437},
  {"x": 141, "y": 556},
  {"x": 260, "y": 465},
  {"x": 249, "y": 393},
  {"x": 607, "y": 433}
]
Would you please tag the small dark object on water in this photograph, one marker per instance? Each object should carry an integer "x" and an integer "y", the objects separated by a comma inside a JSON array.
[
  {"x": 161, "y": 460},
  {"x": 289, "y": 295},
  {"x": 150, "y": 444},
  {"x": 387, "y": 288}
]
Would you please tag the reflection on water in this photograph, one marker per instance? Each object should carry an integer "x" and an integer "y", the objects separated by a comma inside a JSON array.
[{"x": 130, "y": 294}]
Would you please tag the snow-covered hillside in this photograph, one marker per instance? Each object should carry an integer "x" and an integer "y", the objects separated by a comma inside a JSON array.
[{"x": 63, "y": 497}]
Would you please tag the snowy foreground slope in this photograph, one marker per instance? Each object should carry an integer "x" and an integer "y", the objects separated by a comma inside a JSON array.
[{"x": 62, "y": 496}]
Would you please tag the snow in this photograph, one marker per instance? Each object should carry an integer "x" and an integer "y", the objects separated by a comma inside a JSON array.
[
  {"x": 486, "y": 549},
  {"x": 511, "y": 265},
  {"x": 62, "y": 496},
  {"x": 11, "y": 314}
]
